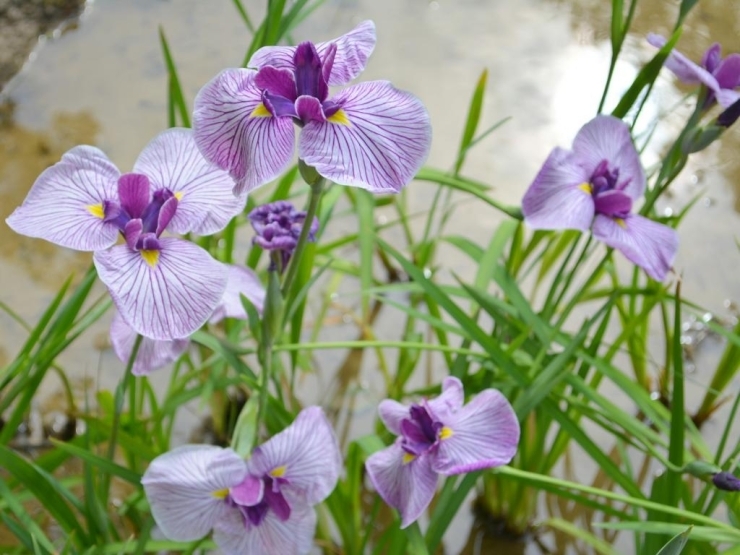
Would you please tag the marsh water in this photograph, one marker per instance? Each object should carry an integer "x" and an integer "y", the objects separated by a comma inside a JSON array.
[{"x": 103, "y": 82}]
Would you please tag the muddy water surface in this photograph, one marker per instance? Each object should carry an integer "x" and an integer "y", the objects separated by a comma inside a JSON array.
[{"x": 105, "y": 84}]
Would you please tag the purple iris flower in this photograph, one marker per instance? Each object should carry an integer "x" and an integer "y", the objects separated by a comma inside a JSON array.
[
  {"x": 163, "y": 287},
  {"x": 262, "y": 506},
  {"x": 720, "y": 75},
  {"x": 154, "y": 354},
  {"x": 440, "y": 436},
  {"x": 601, "y": 177},
  {"x": 369, "y": 135},
  {"x": 278, "y": 226}
]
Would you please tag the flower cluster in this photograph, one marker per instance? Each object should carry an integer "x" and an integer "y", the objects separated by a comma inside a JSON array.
[
  {"x": 262, "y": 506},
  {"x": 594, "y": 186},
  {"x": 278, "y": 226}
]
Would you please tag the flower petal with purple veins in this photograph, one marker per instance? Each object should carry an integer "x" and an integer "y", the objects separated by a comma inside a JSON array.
[
  {"x": 308, "y": 109},
  {"x": 352, "y": 52},
  {"x": 559, "y": 197},
  {"x": 393, "y": 413},
  {"x": 650, "y": 245},
  {"x": 608, "y": 138},
  {"x": 206, "y": 202},
  {"x": 152, "y": 355},
  {"x": 233, "y": 132},
  {"x": 186, "y": 489},
  {"x": 240, "y": 281},
  {"x": 483, "y": 434},
  {"x": 163, "y": 294},
  {"x": 66, "y": 203},
  {"x": 407, "y": 485},
  {"x": 294, "y": 536},
  {"x": 305, "y": 457},
  {"x": 378, "y": 140}
]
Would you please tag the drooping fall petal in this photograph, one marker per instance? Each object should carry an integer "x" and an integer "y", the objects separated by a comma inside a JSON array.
[
  {"x": 234, "y": 130},
  {"x": 154, "y": 290},
  {"x": 66, "y": 203},
  {"x": 378, "y": 139},
  {"x": 186, "y": 488}
]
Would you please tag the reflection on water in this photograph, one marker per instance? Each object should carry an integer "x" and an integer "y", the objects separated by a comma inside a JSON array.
[
  {"x": 24, "y": 154},
  {"x": 105, "y": 84}
]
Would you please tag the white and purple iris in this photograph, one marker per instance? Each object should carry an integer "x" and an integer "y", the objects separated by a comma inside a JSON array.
[
  {"x": 594, "y": 186},
  {"x": 262, "y": 506},
  {"x": 163, "y": 287},
  {"x": 720, "y": 75},
  {"x": 440, "y": 436},
  {"x": 369, "y": 135},
  {"x": 154, "y": 354}
]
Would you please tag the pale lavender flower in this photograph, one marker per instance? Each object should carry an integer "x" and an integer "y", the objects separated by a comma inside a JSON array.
[
  {"x": 440, "y": 436},
  {"x": 594, "y": 187},
  {"x": 262, "y": 506},
  {"x": 154, "y": 354},
  {"x": 164, "y": 287},
  {"x": 369, "y": 135},
  {"x": 278, "y": 226},
  {"x": 720, "y": 75}
]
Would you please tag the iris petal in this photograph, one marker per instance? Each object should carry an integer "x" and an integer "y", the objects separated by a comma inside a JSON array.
[
  {"x": 352, "y": 52},
  {"x": 407, "y": 484},
  {"x": 309, "y": 452},
  {"x": 169, "y": 299},
  {"x": 152, "y": 355},
  {"x": 65, "y": 204},
  {"x": 204, "y": 192},
  {"x": 556, "y": 199},
  {"x": 650, "y": 245},
  {"x": 293, "y": 536},
  {"x": 483, "y": 434},
  {"x": 180, "y": 486},
  {"x": 382, "y": 147},
  {"x": 254, "y": 150},
  {"x": 240, "y": 281}
]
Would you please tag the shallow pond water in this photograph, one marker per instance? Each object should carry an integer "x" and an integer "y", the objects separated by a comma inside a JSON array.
[{"x": 104, "y": 83}]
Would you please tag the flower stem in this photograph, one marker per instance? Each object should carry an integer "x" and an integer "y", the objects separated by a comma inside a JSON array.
[
  {"x": 417, "y": 545},
  {"x": 317, "y": 187}
]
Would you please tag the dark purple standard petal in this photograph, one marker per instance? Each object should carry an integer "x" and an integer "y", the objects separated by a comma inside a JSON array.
[
  {"x": 134, "y": 193},
  {"x": 309, "y": 79},
  {"x": 378, "y": 140}
]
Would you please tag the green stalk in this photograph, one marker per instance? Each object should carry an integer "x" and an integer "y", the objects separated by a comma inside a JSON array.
[{"x": 417, "y": 545}]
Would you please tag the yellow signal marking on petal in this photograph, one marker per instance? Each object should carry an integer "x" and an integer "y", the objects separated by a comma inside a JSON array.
[
  {"x": 278, "y": 472},
  {"x": 151, "y": 257},
  {"x": 220, "y": 494},
  {"x": 339, "y": 117},
  {"x": 586, "y": 188},
  {"x": 179, "y": 195},
  {"x": 445, "y": 433},
  {"x": 96, "y": 210},
  {"x": 621, "y": 223},
  {"x": 407, "y": 458},
  {"x": 260, "y": 111}
]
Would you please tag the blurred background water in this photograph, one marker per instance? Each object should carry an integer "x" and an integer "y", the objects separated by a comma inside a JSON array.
[{"x": 103, "y": 82}]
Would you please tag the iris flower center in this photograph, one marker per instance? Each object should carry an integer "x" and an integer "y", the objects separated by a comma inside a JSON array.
[
  {"x": 421, "y": 432},
  {"x": 608, "y": 193}
]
